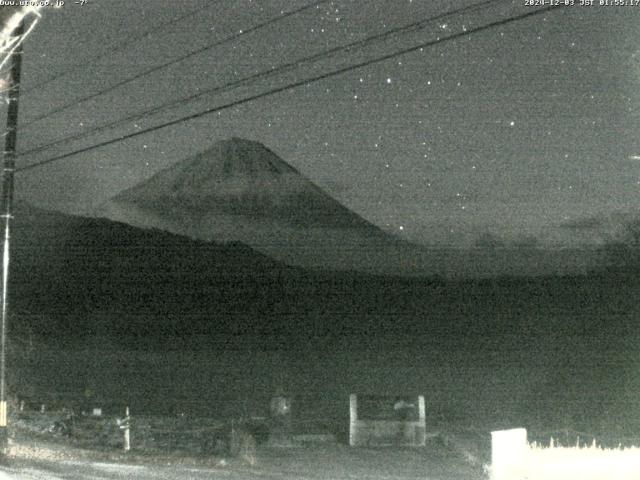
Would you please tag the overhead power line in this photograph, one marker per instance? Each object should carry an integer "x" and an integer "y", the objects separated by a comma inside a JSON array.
[
  {"x": 156, "y": 68},
  {"x": 263, "y": 74},
  {"x": 290, "y": 86},
  {"x": 126, "y": 43}
]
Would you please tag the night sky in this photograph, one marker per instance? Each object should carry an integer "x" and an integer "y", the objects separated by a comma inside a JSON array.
[{"x": 519, "y": 130}]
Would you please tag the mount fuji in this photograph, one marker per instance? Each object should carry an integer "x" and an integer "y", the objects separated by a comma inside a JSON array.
[{"x": 240, "y": 191}]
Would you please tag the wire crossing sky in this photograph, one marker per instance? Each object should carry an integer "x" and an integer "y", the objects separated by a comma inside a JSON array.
[
  {"x": 174, "y": 61},
  {"x": 125, "y": 43},
  {"x": 526, "y": 130},
  {"x": 306, "y": 81},
  {"x": 284, "y": 68}
]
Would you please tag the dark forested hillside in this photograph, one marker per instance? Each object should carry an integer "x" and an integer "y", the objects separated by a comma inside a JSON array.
[{"x": 73, "y": 275}]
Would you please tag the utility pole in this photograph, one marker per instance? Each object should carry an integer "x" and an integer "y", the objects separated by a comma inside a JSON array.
[{"x": 8, "y": 170}]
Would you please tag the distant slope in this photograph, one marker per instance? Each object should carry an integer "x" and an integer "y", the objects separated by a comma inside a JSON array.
[
  {"x": 73, "y": 271},
  {"x": 74, "y": 276}
]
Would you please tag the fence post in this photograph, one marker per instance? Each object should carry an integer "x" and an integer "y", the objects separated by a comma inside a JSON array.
[
  {"x": 509, "y": 450},
  {"x": 125, "y": 426},
  {"x": 353, "y": 419}
]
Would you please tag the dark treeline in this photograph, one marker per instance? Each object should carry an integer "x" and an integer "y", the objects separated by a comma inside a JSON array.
[{"x": 75, "y": 277}]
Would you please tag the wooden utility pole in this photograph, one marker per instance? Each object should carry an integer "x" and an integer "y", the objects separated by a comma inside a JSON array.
[{"x": 8, "y": 170}]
